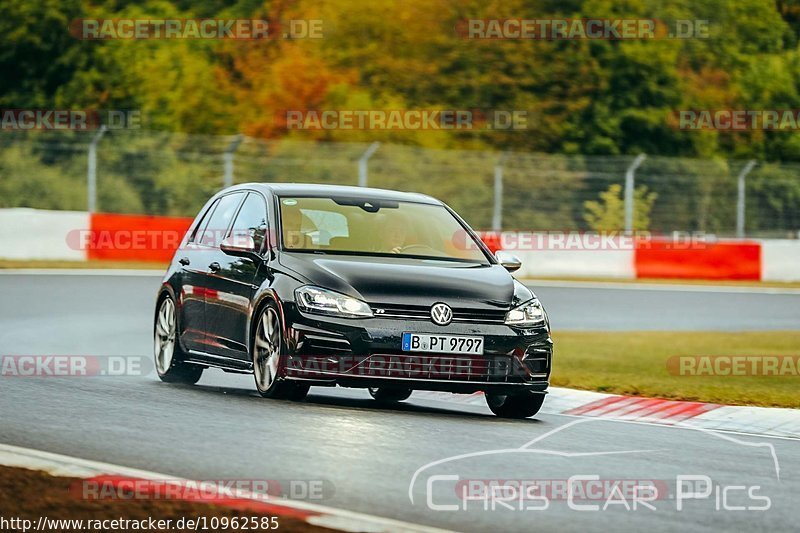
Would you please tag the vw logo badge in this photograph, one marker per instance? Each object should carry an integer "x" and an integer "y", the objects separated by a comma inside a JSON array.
[{"x": 441, "y": 314}]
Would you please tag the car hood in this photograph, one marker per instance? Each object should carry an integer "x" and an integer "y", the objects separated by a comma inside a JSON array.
[{"x": 379, "y": 280}]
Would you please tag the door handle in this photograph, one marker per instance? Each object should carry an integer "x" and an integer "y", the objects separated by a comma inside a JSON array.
[
  {"x": 184, "y": 261},
  {"x": 214, "y": 267}
]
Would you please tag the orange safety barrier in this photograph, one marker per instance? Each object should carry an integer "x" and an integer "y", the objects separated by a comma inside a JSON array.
[
  {"x": 135, "y": 237},
  {"x": 721, "y": 260},
  {"x": 155, "y": 238}
]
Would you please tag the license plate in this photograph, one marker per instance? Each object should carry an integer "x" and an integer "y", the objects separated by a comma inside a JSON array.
[{"x": 416, "y": 342}]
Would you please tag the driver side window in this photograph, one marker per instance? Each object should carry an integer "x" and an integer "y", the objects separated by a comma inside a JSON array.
[{"x": 252, "y": 220}]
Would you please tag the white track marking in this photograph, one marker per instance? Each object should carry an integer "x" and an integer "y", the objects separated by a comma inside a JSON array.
[{"x": 340, "y": 519}]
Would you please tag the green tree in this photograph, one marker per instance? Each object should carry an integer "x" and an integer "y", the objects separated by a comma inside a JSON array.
[{"x": 608, "y": 213}]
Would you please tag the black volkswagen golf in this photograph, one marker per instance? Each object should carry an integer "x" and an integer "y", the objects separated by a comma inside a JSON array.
[{"x": 311, "y": 285}]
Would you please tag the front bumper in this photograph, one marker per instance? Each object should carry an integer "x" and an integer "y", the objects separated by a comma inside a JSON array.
[{"x": 367, "y": 353}]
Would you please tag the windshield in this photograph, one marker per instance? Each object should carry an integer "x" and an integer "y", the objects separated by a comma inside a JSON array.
[{"x": 375, "y": 227}]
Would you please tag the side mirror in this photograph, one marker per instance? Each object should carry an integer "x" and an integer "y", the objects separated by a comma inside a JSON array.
[
  {"x": 508, "y": 261},
  {"x": 239, "y": 246}
]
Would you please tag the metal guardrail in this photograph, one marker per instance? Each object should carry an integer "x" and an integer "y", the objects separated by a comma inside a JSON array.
[{"x": 141, "y": 171}]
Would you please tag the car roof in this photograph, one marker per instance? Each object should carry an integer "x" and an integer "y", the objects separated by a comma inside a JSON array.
[{"x": 318, "y": 190}]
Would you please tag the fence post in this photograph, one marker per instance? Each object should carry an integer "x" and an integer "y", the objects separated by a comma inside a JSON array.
[
  {"x": 91, "y": 170},
  {"x": 629, "y": 184},
  {"x": 228, "y": 159},
  {"x": 740, "y": 197},
  {"x": 362, "y": 164},
  {"x": 497, "y": 213}
]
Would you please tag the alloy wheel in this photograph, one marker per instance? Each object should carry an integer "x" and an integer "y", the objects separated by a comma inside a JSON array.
[
  {"x": 267, "y": 349},
  {"x": 165, "y": 336}
]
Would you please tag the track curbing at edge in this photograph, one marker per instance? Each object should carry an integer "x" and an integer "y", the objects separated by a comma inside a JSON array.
[
  {"x": 317, "y": 515},
  {"x": 762, "y": 421}
]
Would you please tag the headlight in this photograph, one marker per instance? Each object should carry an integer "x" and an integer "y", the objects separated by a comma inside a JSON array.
[
  {"x": 530, "y": 313},
  {"x": 317, "y": 300}
]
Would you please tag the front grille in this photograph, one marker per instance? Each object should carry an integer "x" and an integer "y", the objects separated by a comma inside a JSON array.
[
  {"x": 423, "y": 367},
  {"x": 423, "y": 312}
]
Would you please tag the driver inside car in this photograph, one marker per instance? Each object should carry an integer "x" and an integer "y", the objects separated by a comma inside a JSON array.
[{"x": 395, "y": 235}]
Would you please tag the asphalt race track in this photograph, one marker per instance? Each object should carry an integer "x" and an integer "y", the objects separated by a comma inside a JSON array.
[{"x": 372, "y": 459}]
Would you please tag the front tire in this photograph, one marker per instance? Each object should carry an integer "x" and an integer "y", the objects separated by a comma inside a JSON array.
[
  {"x": 269, "y": 357},
  {"x": 389, "y": 395},
  {"x": 169, "y": 357},
  {"x": 521, "y": 405}
]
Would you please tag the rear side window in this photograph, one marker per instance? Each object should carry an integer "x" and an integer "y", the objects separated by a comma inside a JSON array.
[
  {"x": 220, "y": 220},
  {"x": 252, "y": 220}
]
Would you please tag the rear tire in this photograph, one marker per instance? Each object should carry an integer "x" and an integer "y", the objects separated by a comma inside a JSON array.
[
  {"x": 521, "y": 405},
  {"x": 389, "y": 395},
  {"x": 169, "y": 357}
]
